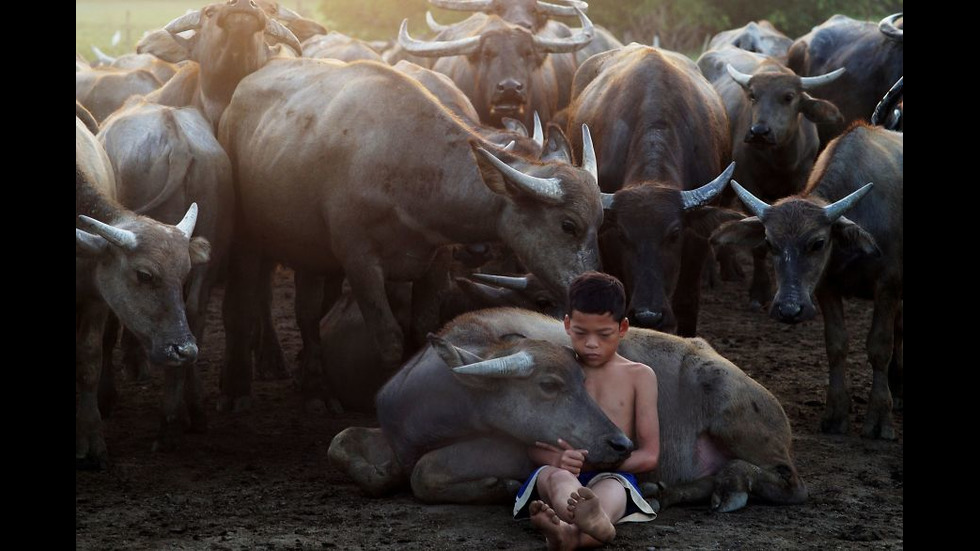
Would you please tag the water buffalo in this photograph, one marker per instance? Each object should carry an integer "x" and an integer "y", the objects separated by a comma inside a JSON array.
[
  {"x": 335, "y": 45},
  {"x": 457, "y": 427},
  {"x": 505, "y": 69},
  {"x": 336, "y": 185},
  {"x": 873, "y": 55},
  {"x": 761, "y": 37},
  {"x": 133, "y": 266},
  {"x": 661, "y": 131},
  {"x": 105, "y": 89},
  {"x": 773, "y": 122},
  {"x": 818, "y": 251}
]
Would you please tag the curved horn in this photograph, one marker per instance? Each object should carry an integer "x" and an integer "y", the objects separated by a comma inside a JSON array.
[
  {"x": 468, "y": 357},
  {"x": 103, "y": 58},
  {"x": 571, "y": 44},
  {"x": 509, "y": 146},
  {"x": 607, "y": 200},
  {"x": 436, "y": 48},
  {"x": 119, "y": 237},
  {"x": 738, "y": 76},
  {"x": 538, "y": 135},
  {"x": 548, "y": 188},
  {"x": 187, "y": 22},
  {"x": 520, "y": 364},
  {"x": 287, "y": 14},
  {"x": 507, "y": 282},
  {"x": 837, "y": 209},
  {"x": 186, "y": 225},
  {"x": 887, "y": 103},
  {"x": 588, "y": 153},
  {"x": 463, "y": 5},
  {"x": 888, "y": 28},
  {"x": 562, "y": 11},
  {"x": 88, "y": 243},
  {"x": 433, "y": 25},
  {"x": 756, "y": 206},
  {"x": 280, "y": 33},
  {"x": 810, "y": 83},
  {"x": 697, "y": 197}
]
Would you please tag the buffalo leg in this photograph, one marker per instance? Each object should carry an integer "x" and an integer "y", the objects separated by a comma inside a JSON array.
[
  {"x": 729, "y": 267},
  {"x": 687, "y": 295},
  {"x": 170, "y": 422},
  {"x": 135, "y": 361},
  {"x": 313, "y": 293},
  {"x": 483, "y": 470},
  {"x": 896, "y": 369},
  {"x": 198, "y": 297},
  {"x": 367, "y": 281},
  {"x": 365, "y": 455},
  {"x": 240, "y": 313},
  {"x": 270, "y": 362},
  {"x": 881, "y": 341},
  {"x": 835, "y": 418},
  {"x": 108, "y": 395},
  {"x": 760, "y": 290},
  {"x": 90, "y": 449}
]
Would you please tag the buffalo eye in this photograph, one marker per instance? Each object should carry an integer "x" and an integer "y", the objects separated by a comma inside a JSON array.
[
  {"x": 550, "y": 386},
  {"x": 143, "y": 276},
  {"x": 752, "y": 97},
  {"x": 817, "y": 245},
  {"x": 209, "y": 11},
  {"x": 672, "y": 236},
  {"x": 568, "y": 227},
  {"x": 789, "y": 97}
]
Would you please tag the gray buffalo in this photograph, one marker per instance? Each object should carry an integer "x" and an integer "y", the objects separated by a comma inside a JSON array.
[
  {"x": 457, "y": 420},
  {"x": 819, "y": 252}
]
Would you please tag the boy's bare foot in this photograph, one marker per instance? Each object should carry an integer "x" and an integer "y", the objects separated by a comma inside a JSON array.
[
  {"x": 583, "y": 506},
  {"x": 561, "y": 536}
]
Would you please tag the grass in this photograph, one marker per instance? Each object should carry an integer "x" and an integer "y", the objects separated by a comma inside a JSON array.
[{"x": 97, "y": 20}]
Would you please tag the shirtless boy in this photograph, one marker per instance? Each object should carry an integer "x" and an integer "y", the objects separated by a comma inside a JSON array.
[{"x": 566, "y": 499}]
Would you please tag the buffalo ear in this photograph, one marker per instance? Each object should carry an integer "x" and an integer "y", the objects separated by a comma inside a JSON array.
[
  {"x": 165, "y": 46},
  {"x": 492, "y": 177},
  {"x": 798, "y": 57},
  {"x": 88, "y": 245},
  {"x": 850, "y": 236},
  {"x": 704, "y": 220},
  {"x": 556, "y": 146},
  {"x": 514, "y": 126},
  {"x": 820, "y": 111},
  {"x": 748, "y": 232},
  {"x": 200, "y": 250}
]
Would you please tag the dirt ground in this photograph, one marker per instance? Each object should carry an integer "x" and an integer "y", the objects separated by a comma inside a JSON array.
[{"x": 261, "y": 480}]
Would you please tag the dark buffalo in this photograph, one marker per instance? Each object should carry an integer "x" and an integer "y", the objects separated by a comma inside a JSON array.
[
  {"x": 335, "y": 185},
  {"x": 871, "y": 53},
  {"x": 817, "y": 251},
  {"x": 773, "y": 122},
  {"x": 505, "y": 70},
  {"x": 462, "y": 437},
  {"x": 661, "y": 131},
  {"x": 132, "y": 266},
  {"x": 761, "y": 37}
]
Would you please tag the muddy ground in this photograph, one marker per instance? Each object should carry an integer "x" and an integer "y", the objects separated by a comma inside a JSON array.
[{"x": 261, "y": 480}]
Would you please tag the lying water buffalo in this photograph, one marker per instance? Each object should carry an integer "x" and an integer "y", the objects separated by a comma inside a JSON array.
[{"x": 457, "y": 426}]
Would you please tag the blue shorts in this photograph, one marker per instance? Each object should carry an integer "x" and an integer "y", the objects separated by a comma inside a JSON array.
[{"x": 637, "y": 508}]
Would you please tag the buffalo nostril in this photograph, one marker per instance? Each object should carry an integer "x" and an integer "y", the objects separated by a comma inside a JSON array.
[
  {"x": 648, "y": 319},
  {"x": 253, "y": 4},
  {"x": 186, "y": 352},
  {"x": 520, "y": 86},
  {"x": 620, "y": 443},
  {"x": 760, "y": 129},
  {"x": 790, "y": 310}
]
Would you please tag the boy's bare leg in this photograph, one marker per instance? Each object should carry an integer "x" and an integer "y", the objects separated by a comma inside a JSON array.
[
  {"x": 594, "y": 510},
  {"x": 555, "y": 486},
  {"x": 559, "y": 534}
]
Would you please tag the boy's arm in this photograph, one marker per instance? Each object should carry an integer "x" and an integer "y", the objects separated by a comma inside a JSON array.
[
  {"x": 564, "y": 457},
  {"x": 646, "y": 457}
]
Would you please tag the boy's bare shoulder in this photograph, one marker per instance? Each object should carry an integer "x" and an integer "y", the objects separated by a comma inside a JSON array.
[{"x": 636, "y": 368}]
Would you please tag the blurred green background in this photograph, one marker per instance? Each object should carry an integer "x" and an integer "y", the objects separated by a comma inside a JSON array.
[{"x": 681, "y": 24}]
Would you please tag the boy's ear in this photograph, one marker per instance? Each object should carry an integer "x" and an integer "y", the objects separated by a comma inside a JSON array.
[{"x": 624, "y": 326}]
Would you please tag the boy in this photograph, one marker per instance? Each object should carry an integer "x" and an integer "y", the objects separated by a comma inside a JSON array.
[{"x": 573, "y": 506}]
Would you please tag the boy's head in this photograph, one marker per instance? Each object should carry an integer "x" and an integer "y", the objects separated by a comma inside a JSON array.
[{"x": 596, "y": 319}]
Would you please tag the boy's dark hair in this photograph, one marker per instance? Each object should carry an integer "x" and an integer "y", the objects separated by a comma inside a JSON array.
[{"x": 597, "y": 293}]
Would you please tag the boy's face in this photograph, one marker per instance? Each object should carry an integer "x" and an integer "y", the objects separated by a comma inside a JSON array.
[{"x": 595, "y": 337}]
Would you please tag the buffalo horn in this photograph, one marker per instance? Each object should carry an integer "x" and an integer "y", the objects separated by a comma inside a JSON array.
[
  {"x": 756, "y": 206},
  {"x": 838, "y": 208},
  {"x": 520, "y": 364},
  {"x": 809, "y": 83},
  {"x": 573, "y": 43},
  {"x": 119, "y": 237},
  {"x": 588, "y": 153},
  {"x": 463, "y": 5},
  {"x": 697, "y": 197},
  {"x": 507, "y": 282},
  {"x": 549, "y": 188},
  {"x": 888, "y": 28},
  {"x": 538, "y": 135},
  {"x": 737, "y": 75},
  {"x": 279, "y": 33},
  {"x": 287, "y": 14},
  {"x": 562, "y": 11},
  {"x": 187, "y": 22},
  {"x": 436, "y": 48},
  {"x": 433, "y": 25},
  {"x": 186, "y": 224},
  {"x": 607, "y": 200}
]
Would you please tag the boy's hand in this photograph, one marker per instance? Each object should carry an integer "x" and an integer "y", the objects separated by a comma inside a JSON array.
[{"x": 569, "y": 458}]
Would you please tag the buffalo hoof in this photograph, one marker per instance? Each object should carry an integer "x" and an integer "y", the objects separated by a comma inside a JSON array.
[
  {"x": 835, "y": 425},
  {"x": 90, "y": 452},
  {"x": 726, "y": 502},
  {"x": 364, "y": 454},
  {"x": 878, "y": 425}
]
